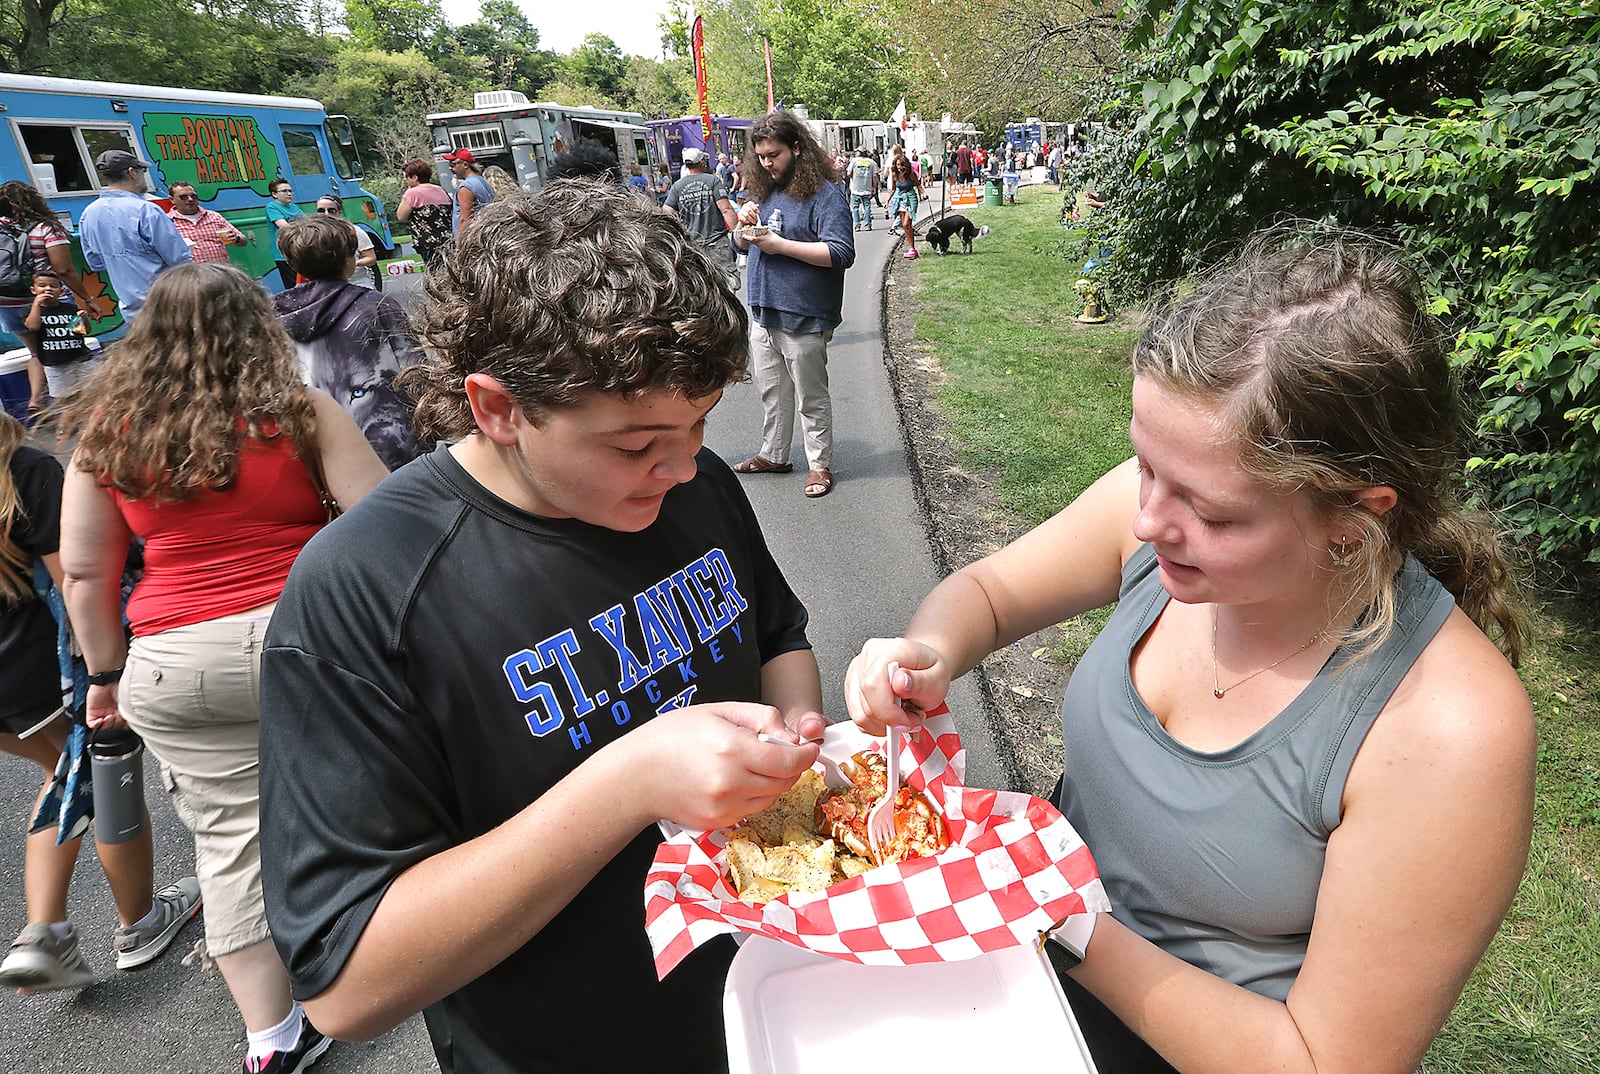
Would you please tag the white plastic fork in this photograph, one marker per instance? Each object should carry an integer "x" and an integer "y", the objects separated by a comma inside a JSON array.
[{"x": 880, "y": 821}]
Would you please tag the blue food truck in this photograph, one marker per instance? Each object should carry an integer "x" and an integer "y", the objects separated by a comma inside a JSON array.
[{"x": 229, "y": 145}]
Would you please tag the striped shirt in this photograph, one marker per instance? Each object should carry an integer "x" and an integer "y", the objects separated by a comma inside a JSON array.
[
  {"x": 200, "y": 232},
  {"x": 41, "y": 238}
]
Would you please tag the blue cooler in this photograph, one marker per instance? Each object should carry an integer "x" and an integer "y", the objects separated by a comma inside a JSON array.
[{"x": 14, "y": 390}]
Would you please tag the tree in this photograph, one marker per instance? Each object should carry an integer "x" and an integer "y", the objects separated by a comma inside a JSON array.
[
  {"x": 509, "y": 44},
  {"x": 247, "y": 46},
  {"x": 394, "y": 25},
  {"x": 736, "y": 76},
  {"x": 658, "y": 87},
  {"x": 596, "y": 63},
  {"x": 586, "y": 96},
  {"x": 841, "y": 58},
  {"x": 25, "y": 34},
  {"x": 1469, "y": 129},
  {"x": 676, "y": 23},
  {"x": 1036, "y": 59}
]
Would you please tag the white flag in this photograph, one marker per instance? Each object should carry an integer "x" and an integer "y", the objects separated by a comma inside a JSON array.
[{"x": 899, "y": 117}]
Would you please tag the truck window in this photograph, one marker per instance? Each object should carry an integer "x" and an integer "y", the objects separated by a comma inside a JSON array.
[
  {"x": 64, "y": 153},
  {"x": 343, "y": 144},
  {"x": 480, "y": 140},
  {"x": 305, "y": 156}
]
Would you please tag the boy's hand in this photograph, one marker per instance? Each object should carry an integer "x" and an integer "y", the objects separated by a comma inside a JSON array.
[{"x": 704, "y": 767}]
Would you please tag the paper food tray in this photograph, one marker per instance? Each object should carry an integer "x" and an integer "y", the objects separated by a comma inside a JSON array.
[
  {"x": 1014, "y": 868},
  {"x": 790, "y": 1011}
]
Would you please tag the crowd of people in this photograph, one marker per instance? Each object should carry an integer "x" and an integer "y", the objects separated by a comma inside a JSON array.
[{"x": 1298, "y": 748}]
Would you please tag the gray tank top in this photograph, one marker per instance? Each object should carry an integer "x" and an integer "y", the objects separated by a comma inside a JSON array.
[{"x": 1216, "y": 857}]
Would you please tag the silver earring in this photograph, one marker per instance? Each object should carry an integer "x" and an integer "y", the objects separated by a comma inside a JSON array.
[{"x": 1342, "y": 555}]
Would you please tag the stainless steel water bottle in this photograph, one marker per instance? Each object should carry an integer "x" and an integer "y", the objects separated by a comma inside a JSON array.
[{"x": 116, "y": 762}]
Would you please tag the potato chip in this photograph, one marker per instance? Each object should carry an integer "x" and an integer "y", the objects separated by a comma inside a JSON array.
[
  {"x": 779, "y": 849},
  {"x": 745, "y": 863}
]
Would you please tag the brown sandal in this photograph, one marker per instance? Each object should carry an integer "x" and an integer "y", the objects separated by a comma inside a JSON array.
[
  {"x": 760, "y": 464},
  {"x": 821, "y": 481}
]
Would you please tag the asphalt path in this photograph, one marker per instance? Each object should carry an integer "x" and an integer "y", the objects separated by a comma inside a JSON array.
[{"x": 859, "y": 558}]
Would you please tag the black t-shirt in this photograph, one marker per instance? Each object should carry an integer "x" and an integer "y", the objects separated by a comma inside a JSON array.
[
  {"x": 437, "y": 661},
  {"x": 30, "y": 677},
  {"x": 59, "y": 341}
]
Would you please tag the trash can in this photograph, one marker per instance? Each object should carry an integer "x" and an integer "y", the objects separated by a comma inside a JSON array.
[
  {"x": 992, "y": 191},
  {"x": 14, "y": 389},
  {"x": 1011, "y": 181}
]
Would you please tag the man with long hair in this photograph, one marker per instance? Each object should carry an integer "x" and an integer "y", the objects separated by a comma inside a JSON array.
[
  {"x": 799, "y": 236},
  {"x": 575, "y": 628}
]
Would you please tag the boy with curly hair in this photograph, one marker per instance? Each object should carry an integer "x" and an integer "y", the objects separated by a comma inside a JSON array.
[{"x": 572, "y": 628}]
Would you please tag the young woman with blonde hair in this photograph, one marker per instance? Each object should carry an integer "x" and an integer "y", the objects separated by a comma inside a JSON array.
[{"x": 1303, "y": 766}]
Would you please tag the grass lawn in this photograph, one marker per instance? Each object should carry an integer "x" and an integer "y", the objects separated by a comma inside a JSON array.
[{"x": 1039, "y": 405}]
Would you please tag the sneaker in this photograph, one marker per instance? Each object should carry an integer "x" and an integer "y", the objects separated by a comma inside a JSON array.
[
  {"x": 139, "y": 944},
  {"x": 911, "y": 255},
  {"x": 42, "y": 961},
  {"x": 297, "y": 1059}
]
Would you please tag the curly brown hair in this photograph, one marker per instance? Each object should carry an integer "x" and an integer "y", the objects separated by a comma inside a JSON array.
[
  {"x": 26, "y": 206},
  {"x": 205, "y": 366},
  {"x": 812, "y": 166},
  {"x": 1334, "y": 377},
  {"x": 582, "y": 287}
]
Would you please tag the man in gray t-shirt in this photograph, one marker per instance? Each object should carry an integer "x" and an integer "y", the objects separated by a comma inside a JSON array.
[
  {"x": 700, "y": 199},
  {"x": 863, "y": 174}
]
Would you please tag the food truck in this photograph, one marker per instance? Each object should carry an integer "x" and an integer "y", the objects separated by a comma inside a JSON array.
[
  {"x": 229, "y": 145},
  {"x": 670, "y": 137},
  {"x": 504, "y": 128}
]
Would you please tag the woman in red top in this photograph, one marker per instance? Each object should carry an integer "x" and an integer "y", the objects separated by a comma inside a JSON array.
[{"x": 199, "y": 438}]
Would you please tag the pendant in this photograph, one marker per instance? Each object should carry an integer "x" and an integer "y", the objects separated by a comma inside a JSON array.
[{"x": 1217, "y": 693}]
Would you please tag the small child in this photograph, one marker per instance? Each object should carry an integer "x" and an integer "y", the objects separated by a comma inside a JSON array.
[{"x": 68, "y": 355}]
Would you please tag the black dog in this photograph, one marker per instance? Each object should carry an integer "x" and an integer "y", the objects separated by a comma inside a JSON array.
[{"x": 940, "y": 232}]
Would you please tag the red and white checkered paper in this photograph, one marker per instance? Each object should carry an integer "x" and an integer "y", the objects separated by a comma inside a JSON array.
[{"x": 1014, "y": 868}]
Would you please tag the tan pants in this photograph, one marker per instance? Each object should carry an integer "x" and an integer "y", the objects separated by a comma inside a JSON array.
[
  {"x": 193, "y": 695},
  {"x": 791, "y": 370}
]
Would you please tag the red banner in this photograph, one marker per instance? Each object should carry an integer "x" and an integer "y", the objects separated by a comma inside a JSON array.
[
  {"x": 766, "y": 49},
  {"x": 698, "y": 40}
]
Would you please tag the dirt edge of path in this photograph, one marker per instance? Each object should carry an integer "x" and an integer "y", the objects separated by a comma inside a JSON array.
[{"x": 964, "y": 522}]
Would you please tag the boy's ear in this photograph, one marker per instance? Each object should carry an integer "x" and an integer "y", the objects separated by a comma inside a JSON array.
[{"x": 494, "y": 409}]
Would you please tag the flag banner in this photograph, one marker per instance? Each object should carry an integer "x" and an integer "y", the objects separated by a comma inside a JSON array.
[
  {"x": 699, "y": 47},
  {"x": 899, "y": 117}
]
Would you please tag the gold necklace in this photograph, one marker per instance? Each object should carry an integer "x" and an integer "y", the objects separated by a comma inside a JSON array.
[{"x": 1218, "y": 690}]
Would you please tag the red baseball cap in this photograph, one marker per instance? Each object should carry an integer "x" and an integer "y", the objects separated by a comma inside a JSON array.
[{"x": 460, "y": 154}]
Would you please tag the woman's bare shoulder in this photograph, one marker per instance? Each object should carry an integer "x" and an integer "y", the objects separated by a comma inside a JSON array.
[{"x": 1461, "y": 709}]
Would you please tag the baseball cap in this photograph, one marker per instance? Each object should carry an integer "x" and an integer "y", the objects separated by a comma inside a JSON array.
[
  {"x": 694, "y": 156},
  {"x": 116, "y": 161},
  {"x": 461, "y": 154}
]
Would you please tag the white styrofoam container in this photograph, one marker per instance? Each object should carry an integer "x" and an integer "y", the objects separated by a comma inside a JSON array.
[{"x": 790, "y": 1011}]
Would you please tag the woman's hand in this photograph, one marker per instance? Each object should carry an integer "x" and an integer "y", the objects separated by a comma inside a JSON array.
[
  {"x": 100, "y": 710},
  {"x": 887, "y": 672}
]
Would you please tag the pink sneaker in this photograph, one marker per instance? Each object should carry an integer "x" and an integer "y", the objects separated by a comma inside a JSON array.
[{"x": 911, "y": 255}]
